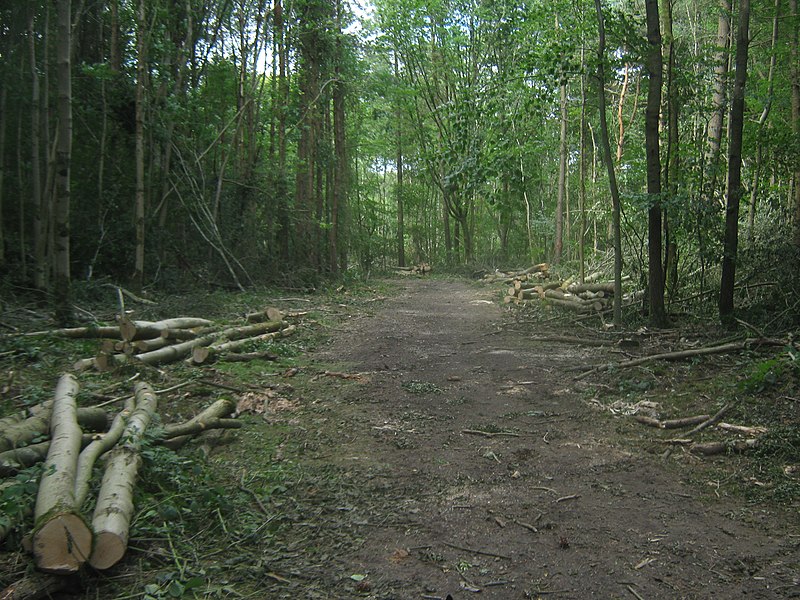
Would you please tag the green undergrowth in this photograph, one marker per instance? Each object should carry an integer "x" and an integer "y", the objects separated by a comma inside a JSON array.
[
  {"x": 210, "y": 519},
  {"x": 760, "y": 387}
]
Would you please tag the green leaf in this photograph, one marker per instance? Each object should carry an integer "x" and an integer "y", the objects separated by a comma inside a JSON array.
[{"x": 358, "y": 577}]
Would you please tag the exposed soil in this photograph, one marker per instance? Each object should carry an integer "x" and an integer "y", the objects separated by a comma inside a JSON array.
[{"x": 560, "y": 507}]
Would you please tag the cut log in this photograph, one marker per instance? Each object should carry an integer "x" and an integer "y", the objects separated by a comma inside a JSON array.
[
  {"x": 267, "y": 314},
  {"x": 742, "y": 429},
  {"x": 605, "y": 287},
  {"x": 203, "y": 354},
  {"x": 714, "y": 448},
  {"x": 12, "y": 461},
  {"x": 112, "y": 515},
  {"x": 62, "y": 540},
  {"x": 141, "y": 330},
  {"x": 196, "y": 427},
  {"x": 24, "y": 432},
  {"x": 96, "y": 448},
  {"x": 218, "y": 410}
]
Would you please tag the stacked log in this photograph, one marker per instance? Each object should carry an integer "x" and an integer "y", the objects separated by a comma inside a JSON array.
[
  {"x": 63, "y": 537},
  {"x": 538, "y": 272},
  {"x": 420, "y": 269},
  {"x": 162, "y": 342},
  {"x": 578, "y": 297}
]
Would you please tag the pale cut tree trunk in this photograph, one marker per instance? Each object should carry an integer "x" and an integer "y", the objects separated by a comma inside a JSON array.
[
  {"x": 62, "y": 541},
  {"x": 112, "y": 515},
  {"x": 95, "y": 449}
]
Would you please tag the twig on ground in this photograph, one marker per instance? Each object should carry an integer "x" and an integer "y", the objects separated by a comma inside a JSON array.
[
  {"x": 565, "y": 498},
  {"x": 490, "y": 434}
]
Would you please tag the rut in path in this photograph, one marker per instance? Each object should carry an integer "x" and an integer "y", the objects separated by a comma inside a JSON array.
[{"x": 549, "y": 504}]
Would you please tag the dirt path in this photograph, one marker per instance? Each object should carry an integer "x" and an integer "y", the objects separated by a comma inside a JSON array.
[{"x": 426, "y": 509}]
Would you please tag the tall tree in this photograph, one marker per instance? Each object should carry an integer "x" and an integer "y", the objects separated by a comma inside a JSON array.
[
  {"x": 718, "y": 102},
  {"x": 734, "y": 194},
  {"x": 795, "y": 75},
  {"x": 655, "y": 280},
  {"x": 61, "y": 205},
  {"x": 401, "y": 234},
  {"x": 606, "y": 148},
  {"x": 141, "y": 74}
]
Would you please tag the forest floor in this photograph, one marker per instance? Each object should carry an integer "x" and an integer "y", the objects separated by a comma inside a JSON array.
[
  {"x": 559, "y": 499},
  {"x": 433, "y": 444}
]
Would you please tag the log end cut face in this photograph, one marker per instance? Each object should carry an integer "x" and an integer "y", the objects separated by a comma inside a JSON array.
[
  {"x": 62, "y": 544},
  {"x": 108, "y": 550}
]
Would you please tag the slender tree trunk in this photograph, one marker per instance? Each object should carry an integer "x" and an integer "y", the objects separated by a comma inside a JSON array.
[
  {"x": 672, "y": 163},
  {"x": 582, "y": 178},
  {"x": 401, "y": 234},
  {"x": 37, "y": 199},
  {"x": 620, "y": 120},
  {"x": 658, "y": 317},
  {"x": 795, "y": 56},
  {"x": 558, "y": 245},
  {"x": 731, "y": 243},
  {"x": 115, "y": 58},
  {"x": 141, "y": 70},
  {"x": 3, "y": 120},
  {"x": 612, "y": 177},
  {"x": 754, "y": 191},
  {"x": 340, "y": 150},
  {"x": 61, "y": 288},
  {"x": 715, "y": 124}
]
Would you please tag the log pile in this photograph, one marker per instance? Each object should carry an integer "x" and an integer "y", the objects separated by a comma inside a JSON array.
[
  {"x": 64, "y": 538},
  {"x": 420, "y": 269},
  {"x": 198, "y": 341},
  {"x": 533, "y": 273}
]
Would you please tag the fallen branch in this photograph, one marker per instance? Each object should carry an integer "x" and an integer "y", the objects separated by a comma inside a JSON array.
[
  {"x": 671, "y": 423},
  {"x": 96, "y": 448},
  {"x": 218, "y": 410},
  {"x": 721, "y": 349},
  {"x": 196, "y": 427},
  {"x": 490, "y": 434},
  {"x": 714, "y": 448}
]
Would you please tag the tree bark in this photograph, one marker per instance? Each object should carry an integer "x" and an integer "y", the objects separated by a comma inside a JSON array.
[
  {"x": 112, "y": 515},
  {"x": 558, "y": 245},
  {"x": 61, "y": 204},
  {"x": 731, "y": 243},
  {"x": 794, "y": 53},
  {"x": 612, "y": 178},
  {"x": 177, "y": 435},
  {"x": 141, "y": 71},
  {"x": 96, "y": 448},
  {"x": 62, "y": 540},
  {"x": 658, "y": 317},
  {"x": 715, "y": 124}
]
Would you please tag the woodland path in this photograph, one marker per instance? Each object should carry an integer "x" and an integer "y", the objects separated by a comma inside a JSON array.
[{"x": 560, "y": 510}]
